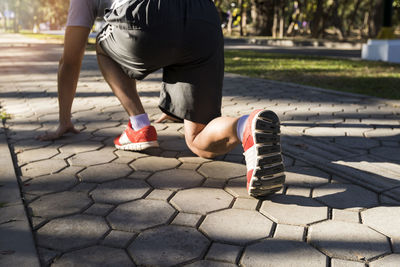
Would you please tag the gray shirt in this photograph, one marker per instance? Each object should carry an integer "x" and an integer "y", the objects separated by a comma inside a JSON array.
[{"x": 84, "y": 12}]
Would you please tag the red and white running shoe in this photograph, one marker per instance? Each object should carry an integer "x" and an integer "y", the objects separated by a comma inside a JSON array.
[
  {"x": 137, "y": 140},
  {"x": 262, "y": 151}
]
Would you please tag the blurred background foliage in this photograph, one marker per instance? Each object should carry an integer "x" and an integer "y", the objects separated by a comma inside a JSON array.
[{"x": 337, "y": 19}]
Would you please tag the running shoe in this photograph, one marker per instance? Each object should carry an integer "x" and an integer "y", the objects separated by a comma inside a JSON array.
[
  {"x": 137, "y": 140},
  {"x": 262, "y": 151}
]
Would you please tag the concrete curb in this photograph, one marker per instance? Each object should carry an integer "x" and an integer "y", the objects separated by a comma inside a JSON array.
[
  {"x": 17, "y": 247},
  {"x": 295, "y": 43}
]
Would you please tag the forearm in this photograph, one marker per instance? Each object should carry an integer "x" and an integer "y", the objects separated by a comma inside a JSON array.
[{"x": 68, "y": 75}]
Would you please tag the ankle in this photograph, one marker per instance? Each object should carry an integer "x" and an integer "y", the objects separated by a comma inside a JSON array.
[{"x": 139, "y": 121}]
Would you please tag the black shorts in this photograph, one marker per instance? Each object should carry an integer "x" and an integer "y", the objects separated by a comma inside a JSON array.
[{"x": 184, "y": 38}]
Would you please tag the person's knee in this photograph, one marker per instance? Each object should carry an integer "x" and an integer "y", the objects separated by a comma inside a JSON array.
[{"x": 198, "y": 151}]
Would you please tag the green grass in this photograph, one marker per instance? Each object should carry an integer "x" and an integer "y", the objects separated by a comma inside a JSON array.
[
  {"x": 364, "y": 77},
  {"x": 4, "y": 116},
  {"x": 44, "y": 36}
]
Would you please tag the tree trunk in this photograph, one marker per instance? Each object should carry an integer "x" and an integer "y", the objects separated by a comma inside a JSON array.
[
  {"x": 263, "y": 14},
  {"x": 317, "y": 20},
  {"x": 275, "y": 20},
  {"x": 282, "y": 21},
  {"x": 377, "y": 18},
  {"x": 352, "y": 18}
]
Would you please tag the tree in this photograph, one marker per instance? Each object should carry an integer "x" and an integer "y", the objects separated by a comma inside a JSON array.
[{"x": 262, "y": 13}]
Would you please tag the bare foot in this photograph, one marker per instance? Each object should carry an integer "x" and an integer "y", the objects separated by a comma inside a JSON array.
[{"x": 164, "y": 117}]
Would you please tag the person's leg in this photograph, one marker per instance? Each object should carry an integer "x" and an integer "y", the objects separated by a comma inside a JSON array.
[
  {"x": 122, "y": 85},
  {"x": 139, "y": 134},
  {"x": 216, "y": 138}
]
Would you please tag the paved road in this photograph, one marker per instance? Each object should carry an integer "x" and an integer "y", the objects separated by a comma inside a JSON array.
[
  {"x": 309, "y": 51},
  {"x": 93, "y": 205}
]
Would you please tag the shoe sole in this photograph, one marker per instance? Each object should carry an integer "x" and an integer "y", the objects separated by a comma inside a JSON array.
[
  {"x": 268, "y": 177},
  {"x": 137, "y": 146}
]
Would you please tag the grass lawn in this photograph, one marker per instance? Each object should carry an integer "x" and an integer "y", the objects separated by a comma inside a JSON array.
[{"x": 363, "y": 77}]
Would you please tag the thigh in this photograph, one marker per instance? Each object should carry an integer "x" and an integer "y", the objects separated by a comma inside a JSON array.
[{"x": 192, "y": 86}]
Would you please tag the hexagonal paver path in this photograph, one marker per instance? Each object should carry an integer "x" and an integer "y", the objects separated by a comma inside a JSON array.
[
  {"x": 93, "y": 157},
  {"x": 175, "y": 179},
  {"x": 72, "y": 232},
  {"x": 91, "y": 204},
  {"x": 201, "y": 200},
  {"x": 385, "y": 220},
  {"x": 95, "y": 256},
  {"x": 104, "y": 172},
  {"x": 154, "y": 164},
  {"x": 345, "y": 196},
  {"x": 60, "y": 204},
  {"x": 222, "y": 170},
  {"x": 167, "y": 246},
  {"x": 139, "y": 215},
  {"x": 350, "y": 241},
  {"x": 272, "y": 252},
  {"x": 294, "y": 210},
  {"x": 120, "y": 191},
  {"x": 232, "y": 226}
]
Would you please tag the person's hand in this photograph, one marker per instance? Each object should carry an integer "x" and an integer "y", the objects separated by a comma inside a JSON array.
[
  {"x": 164, "y": 117},
  {"x": 61, "y": 130}
]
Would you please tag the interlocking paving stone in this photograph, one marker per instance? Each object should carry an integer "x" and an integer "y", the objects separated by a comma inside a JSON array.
[
  {"x": 93, "y": 157},
  {"x": 154, "y": 164},
  {"x": 29, "y": 144},
  {"x": 384, "y": 134},
  {"x": 272, "y": 252},
  {"x": 344, "y": 263},
  {"x": 186, "y": 219},
  {"x": 363, "y": 143},
  {"x": 175, "y": 179},
  {"x": 140, "y": 214},
  {"x": 36, "y": 154},
  {"x": 93, "y": 257},
  {"x": 302, "y": 210},
  {"x": 392, "y": 153},
  {"x": 345, "y": 196},
  {"x": 345, "y": 215},
  {"x": 350, "y": 241},
  {"x": 237, "y": 187},
  {"x": 127, "y": 156},
  {"x": 99, "y": 209},
  {"x": 298, "y": 191},
  {"x": 43, "y": 167},
  {"x": 118, "y": 239},
  {"x": 168, "y": 245},
  {"x": 158, "y": 194},
  {"x": 105, "y": 172},
  {"x": 245, "y": 203},
  {"x": 72, "y": 232},
  {"x": 81, "y": 147},
  {"x": 84, "y": 187},
  {"x": 119, "y": 191},
  {"x": 208, "y": 263},
  {"x": 223, "y": 252},
  {"x": 52, "y": 183},
  {"x": 385, "y": 220},
  {"x": 222, "y": 170},
  {"x": 387, "y": 261},
  {"x": 232, "y": 226},
  {"x": 46, "y": 256},
  {"x": 214, "y": 183},
  {"x": 306, "y": 176},
  {"x": 201, "y": 200},
  {"x": 289, "y": 232},
  {"x": 60, "y": 204}
]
